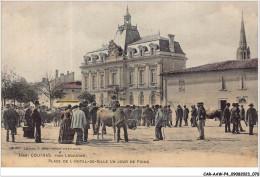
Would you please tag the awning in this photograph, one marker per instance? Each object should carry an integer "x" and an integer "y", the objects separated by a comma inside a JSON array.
[{"x": 67, "y": 101}]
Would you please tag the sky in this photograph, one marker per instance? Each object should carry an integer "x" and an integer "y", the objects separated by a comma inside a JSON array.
[{"x": 40, "y": 37}]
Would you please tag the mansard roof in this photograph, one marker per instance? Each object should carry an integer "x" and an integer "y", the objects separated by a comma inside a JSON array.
[
  {"x": 220, "y": 66},
  {"x": 148, "y": 39},
  {"x": 163, "y": 43}
]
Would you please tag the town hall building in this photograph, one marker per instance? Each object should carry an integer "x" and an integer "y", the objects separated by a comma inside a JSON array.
[{"x": 132, "y": 65}]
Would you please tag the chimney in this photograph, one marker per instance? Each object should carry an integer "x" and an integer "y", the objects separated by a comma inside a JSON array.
[
  {"x": 43, "y": 80},
  {"x": 68, "y": 72},
  {"x": 57, "y": 74},
  {"x": 171, "y": 42}
]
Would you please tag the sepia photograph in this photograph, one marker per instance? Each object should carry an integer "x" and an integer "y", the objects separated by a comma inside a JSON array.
[{"x": 129, "y": 84}]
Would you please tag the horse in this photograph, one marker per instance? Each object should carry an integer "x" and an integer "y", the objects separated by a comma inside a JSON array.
[
  {"x": 211, "y": 114},
  {"x": 105, "y": 117}
]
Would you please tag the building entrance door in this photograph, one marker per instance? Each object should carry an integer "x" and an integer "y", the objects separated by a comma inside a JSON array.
[{"x": 222, "y": 104}]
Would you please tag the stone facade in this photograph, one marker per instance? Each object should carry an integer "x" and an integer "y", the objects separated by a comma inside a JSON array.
[
  {"x": 236, "y": 81},
  {"x": 133, "y": 64}
]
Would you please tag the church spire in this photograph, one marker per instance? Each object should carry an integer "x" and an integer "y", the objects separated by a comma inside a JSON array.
[
  {"x": 127, "y": 17},
  {"x": 243, "y": 52}
]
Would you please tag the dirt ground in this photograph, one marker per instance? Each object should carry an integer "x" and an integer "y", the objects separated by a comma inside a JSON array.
[{"x": 179, "y": 149}]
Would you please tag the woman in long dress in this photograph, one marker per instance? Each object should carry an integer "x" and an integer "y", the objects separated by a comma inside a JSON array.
[{"x": 66, "y": 134}]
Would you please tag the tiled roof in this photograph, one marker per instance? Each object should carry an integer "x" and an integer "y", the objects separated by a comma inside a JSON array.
[
  {"x": 220, "y": 66},
  {"x": 71, "y": 85},
  {"x": 105, "y": 47},
  {"x": 148, "y": 39}
]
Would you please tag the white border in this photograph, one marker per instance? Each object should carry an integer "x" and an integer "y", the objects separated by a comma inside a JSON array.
[{"x": 150, "y": 171}]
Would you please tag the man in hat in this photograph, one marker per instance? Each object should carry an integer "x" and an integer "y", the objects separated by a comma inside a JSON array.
[
  {"x": 243, "y": 114},
  {"x": 186, "y": 115},
  {"x": 148, "y": 113},
  {"x": 179, "y": 115},
  {"x": 78, "y": 123},
  {"x": 234, "y": 118},
  {"x": 226, "y": 117},
  {"x": 84, "y": 107},
  {"x": 194, "y": 114},
  {"x": 239, "y": 120},
  {"x": 165, "y": 116},
  {"x": 158, "y": 123},
  {"x": 251, "y": 117},
  {"x": 37, "y": 122},
  {"x": 201, "y": 118},
  {"x": 120, "y": 121},
  {"x": 93, "y": 114},
  {"x": 29, "y": 122},
  {"x": 154, "y": 112},
  {"x": 10, "y": 121},
  {"x": 169, "y": 116}
]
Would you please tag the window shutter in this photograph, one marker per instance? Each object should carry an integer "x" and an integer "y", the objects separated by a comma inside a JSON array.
[{"x": 220, "y": 83}]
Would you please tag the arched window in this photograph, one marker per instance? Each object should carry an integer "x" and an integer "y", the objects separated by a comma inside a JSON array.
[
  {"x": 141, "y": 99},
  {"x": 131, "y": 99},
  {"x": 153, "y": 99}
]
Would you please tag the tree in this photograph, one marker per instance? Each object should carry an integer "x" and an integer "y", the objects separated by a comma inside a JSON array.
[
  {"x": 16, "y": 88},
  {"x": 8, "y": 77},
  {"x": 117, "y": 93},
  {"x": 84, "y": 95},
  {"x": 50, "y": 89},
  {"x": 29, "y": 94}
]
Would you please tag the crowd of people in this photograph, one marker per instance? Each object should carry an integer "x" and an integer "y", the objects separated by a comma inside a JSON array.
[
  {"x": 77, "y": 120},
  {"x": 235, "y": 116}
]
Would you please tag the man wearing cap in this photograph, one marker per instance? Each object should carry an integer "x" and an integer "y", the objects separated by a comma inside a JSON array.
[
  {"x": 37, "y": 122},
  {"x": 10, "y": 121},
  {"x": 235, "y": 118},
  {"x": 78, "y": 123},
  {"x": 179, "y": 115},
  {"x": 120, "y": 121},
  {"x": 201, "y": 118},
  {"x": 251, "y": 117},
  {"x": 226, "y": 117},
  {"x": 194, "y": 114},
  {"x": 186, "y": 115}
]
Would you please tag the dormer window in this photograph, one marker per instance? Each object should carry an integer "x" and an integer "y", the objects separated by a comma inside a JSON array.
[
  {"x": 102, "y": 56},
  {"x": 153, "y": 48},
  {"x": 130, "y": 54},
  {"x": 152, "y": 51},
  {"x": 142, "y": 50},
  {"x": 141, "y": 53}
]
